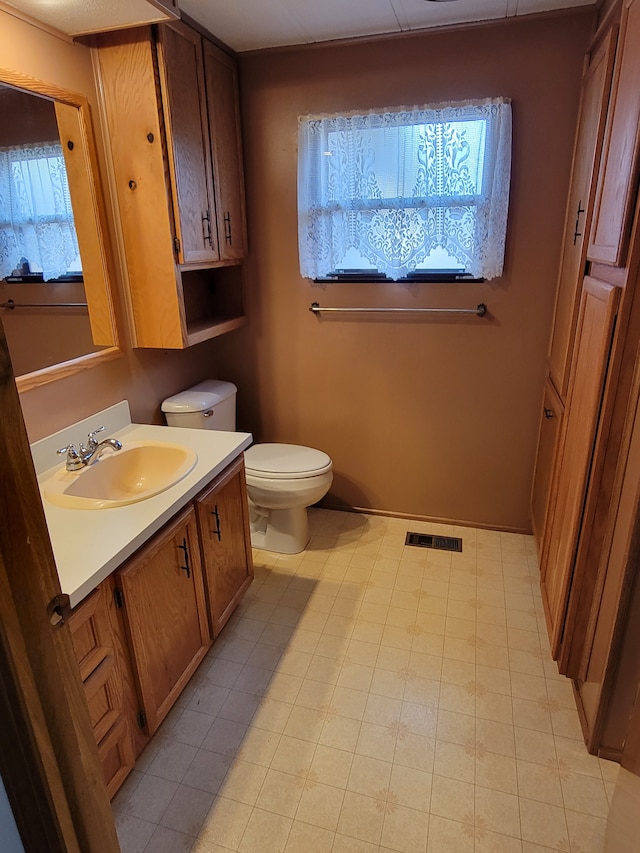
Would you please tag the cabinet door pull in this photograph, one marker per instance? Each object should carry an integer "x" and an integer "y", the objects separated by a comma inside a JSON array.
[
  {"x": 217, "y": 532},
  {"x": 548, "y": 413},
  {"x": 186, "y": 568},
  {"x": 227, "y": 227},
  {"x": 206, "y": 227},
  {"x": 577, "y": 233}
]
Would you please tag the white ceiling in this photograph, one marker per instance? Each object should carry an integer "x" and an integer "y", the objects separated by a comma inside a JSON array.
[{"x": 254, "y": 24}]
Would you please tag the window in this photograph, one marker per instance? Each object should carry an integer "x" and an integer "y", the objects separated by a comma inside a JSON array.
[
  {"x": 37, "y": 232},
  {"x": 398, "y": 194}
]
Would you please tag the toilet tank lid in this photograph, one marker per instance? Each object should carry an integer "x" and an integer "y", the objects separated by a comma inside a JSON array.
[{"x": 201, "y": 397}]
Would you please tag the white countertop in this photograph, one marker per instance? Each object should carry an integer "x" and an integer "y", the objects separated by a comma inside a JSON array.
[{"x": 89, "y": 545}]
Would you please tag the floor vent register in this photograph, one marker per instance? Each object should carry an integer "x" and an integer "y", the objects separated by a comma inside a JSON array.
[{"x": 426, "y": 540}]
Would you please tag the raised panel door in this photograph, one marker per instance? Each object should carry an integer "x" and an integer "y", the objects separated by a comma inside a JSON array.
[
  {"x": 226, "y": 151},
  {"x": 588, "y": 145},
  {"x": 550, "y": 429},
  {"x": 184, "y": 102},
  {"x": 594, "y": 332},
  {"x": 226, "y": 546},
  {"x": 165, "y": 614},
  {"x": 617, "y": 185}
]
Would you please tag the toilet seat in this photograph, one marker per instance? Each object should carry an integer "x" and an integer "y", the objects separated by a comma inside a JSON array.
[{"x": 273, "y": 461}]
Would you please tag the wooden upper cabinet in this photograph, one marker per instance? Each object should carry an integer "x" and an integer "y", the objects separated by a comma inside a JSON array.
[
  {"x": 185, "y": 111},
  {"x": 168, "y": 133},
  {"x": 617, "y": 185},
  {"x": 226, "y": 148},
  {"x": 598, "y": 307},
  {"x": 223, "y": 522},
  {"x": 588, "y": 145},
  {"x": 165, "y": 613}
]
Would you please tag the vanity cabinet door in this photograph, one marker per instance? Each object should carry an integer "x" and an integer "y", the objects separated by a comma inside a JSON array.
[
  {"x": 226, "y": 151},
  {"x": 165, "y": 615},
  {"x": 223, "y": 522}
]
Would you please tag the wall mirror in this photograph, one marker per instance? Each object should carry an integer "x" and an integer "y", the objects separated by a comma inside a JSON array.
[{"x": 55, "y": 289}]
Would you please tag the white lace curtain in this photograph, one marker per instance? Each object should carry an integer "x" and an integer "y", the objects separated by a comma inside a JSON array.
[
  {"x": 36, "y": 219},
  {"x": 393, "y": 186}
]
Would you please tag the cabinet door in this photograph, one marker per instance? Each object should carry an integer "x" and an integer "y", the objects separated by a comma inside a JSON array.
[
  {"x": 226, "y": 151},
  {"x": 591, "y": 122},
  {"x": 184, "y": 102},
  {"x": 594, "y": 332},
  {"x": 550, "y": 429},
  {"x": 617, "y": 185},
  {"x": 223, "y": 521},
  {"x": 165, "y": 614}
]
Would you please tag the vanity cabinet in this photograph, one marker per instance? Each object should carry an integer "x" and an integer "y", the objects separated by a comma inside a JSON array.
[
  {"x": 94, "y": 633},
  {"x": 223, "y": 523},
  {"x": 165, "y": 614},
  {"x": 170, "y": 102},
  {"x": 140, "y": 636}
]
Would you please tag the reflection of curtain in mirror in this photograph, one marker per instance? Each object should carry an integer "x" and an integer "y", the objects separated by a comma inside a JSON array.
[{"x": 36, "y": 218}]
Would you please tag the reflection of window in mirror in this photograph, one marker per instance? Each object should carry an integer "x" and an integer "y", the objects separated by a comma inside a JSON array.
[
  {"x": 38, "y": 240},
  {"x": 40, "y": 257}
]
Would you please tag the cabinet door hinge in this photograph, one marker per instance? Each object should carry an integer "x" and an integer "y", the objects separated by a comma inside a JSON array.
[
  {"x": 118, "y": 597},
  {"x": 141, "y": 719},
  {"x": 176, "y": 245}
]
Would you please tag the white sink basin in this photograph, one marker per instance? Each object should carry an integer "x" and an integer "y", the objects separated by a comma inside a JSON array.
[{"x": 135, "y": 473}]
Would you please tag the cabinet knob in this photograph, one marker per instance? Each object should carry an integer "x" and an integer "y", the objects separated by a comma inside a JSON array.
[{"x": 549, "y": 414}]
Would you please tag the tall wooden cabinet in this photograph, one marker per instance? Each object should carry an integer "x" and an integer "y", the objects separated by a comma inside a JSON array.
[
  {"x": 170, "y": 102},
  {"x": 584, "y": 523}
]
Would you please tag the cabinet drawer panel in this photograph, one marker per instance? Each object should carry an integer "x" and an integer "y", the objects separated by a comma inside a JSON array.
[
  {"x": 116, "y": 756},
  {"x": 91, "y": 633},
  {"x": 104, "y": 697}
]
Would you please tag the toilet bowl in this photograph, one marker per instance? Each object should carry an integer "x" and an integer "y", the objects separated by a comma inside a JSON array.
[{"x": 283, "y": 480}]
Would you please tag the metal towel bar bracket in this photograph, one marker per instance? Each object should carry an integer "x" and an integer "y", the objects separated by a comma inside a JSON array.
[
  {"x": 11, "y": 304},
  {"x": 479, "y": 311}
]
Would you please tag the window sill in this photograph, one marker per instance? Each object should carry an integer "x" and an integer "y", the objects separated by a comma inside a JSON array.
[{"x": 413, "y": 278}]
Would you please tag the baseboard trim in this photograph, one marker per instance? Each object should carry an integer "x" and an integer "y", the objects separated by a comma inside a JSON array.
[{"x": 324, "y": 504}]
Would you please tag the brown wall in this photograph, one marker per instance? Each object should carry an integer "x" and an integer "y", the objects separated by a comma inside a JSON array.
[
  {"x": 435, "y": 417},
  {"x": 144, "y": 378}
]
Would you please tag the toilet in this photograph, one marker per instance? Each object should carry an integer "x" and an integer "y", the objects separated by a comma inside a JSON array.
[{"x": 282, "y": 479}]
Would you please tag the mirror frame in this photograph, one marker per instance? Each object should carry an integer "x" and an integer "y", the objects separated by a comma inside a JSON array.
[{"x": 89, "y": 211}]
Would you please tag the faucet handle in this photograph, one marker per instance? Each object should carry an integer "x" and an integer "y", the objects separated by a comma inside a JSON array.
[
  {"x": 74, "y": 461},
  {"x": 92, "y": 438}
]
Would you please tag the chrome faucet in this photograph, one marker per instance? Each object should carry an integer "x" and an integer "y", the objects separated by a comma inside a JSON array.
[{"x": 78, "y": 459}]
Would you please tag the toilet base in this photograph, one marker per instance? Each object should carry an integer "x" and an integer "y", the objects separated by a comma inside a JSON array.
[{"x": 284, "y": 531}]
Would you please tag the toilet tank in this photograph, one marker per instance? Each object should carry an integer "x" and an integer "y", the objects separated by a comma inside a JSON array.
[{"x": 208, "y": 405}]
